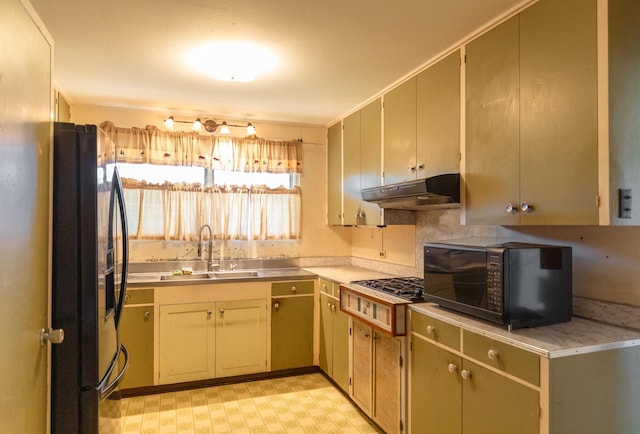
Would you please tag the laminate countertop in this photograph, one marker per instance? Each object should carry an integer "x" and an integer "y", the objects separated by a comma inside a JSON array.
[{"x": 577, "y": 336}]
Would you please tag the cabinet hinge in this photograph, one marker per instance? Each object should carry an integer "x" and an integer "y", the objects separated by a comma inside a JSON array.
[
  {"x": 401, "y": 361},
  {"x": 401, "y": 426},
  {"x": 410, "y": 346},
  {"x": 597, "y": 201},
  {"x": 349, "y": 331},
  {"x": 349, "y": 381},
  {"x": 464, "y": 58}
]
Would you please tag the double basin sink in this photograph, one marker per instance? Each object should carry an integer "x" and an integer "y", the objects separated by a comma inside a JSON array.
[{"x": 211, "y": 275}]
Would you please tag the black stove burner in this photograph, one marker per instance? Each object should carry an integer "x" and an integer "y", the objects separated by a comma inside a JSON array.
[{"x": 409, "y": 288}]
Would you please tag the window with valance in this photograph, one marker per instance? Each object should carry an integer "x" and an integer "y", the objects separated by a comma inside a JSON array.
[{"x": 177, "y": 210}]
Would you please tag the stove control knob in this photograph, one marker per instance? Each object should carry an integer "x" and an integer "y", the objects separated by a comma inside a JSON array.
[{"x": 431, "y": 330}]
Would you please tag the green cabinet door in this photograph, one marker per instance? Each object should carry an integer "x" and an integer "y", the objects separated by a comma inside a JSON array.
[
  {"x": 340, "y": 348},
  {"x": 370, "y": 158},
  {"x": 436, "y": 399},
  {"x": 559, "y": 112},
  {"x": 438, "y": 117},
  {"x": 496, "y": 404},
  {"x": 351, "y": 168},
  {"x": 492, "y": 126},
  {"x": 326, "y": 334},
  {"x": 400, "y": 133},
  {"x": 136, "y": 334},
  {"x": 291, "y": 332},
  {"x": 334, "y": 174}
]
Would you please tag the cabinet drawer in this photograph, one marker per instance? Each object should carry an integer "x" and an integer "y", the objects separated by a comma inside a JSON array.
[
  {"x": 435, "y": 330},
  {"x": 515, "y": 361},
  {"x": 292, "y": 288},
  {"x": 328, "y": 287},
  {"x": 139, "y": 296}
]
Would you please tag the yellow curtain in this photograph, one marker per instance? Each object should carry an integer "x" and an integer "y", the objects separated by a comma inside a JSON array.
[
  {"x": 249, "y": 154},
  {"x": 177, "y": 211}
]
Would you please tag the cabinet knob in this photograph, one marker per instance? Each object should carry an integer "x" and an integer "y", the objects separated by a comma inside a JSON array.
[
  {"x": 221, "y": 311},
  {"x": 526, "y": 207},
  {"x": 511, "y": 209},
  {"x": 366, "y": 335},
  {"x": 147, "y": 314},
  {"x": 452, "y": 368},
  {"x": 209, "y": 313},
  {"x": 276, "y": 305},
  {"x": 329, "y": 305},
  {"x": 294, "y": 289},
  {"x": 420, "y": 166},
  {"x": 412, "y": 168},
  {"x": 465, "y": 374},
  {"x": 431, "y": 330},
  {"x": 492, "y": 354}
]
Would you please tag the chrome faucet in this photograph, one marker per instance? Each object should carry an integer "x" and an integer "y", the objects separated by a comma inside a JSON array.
[{"x": 210, "y": 246}]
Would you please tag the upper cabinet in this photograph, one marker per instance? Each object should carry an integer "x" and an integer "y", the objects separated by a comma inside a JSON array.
[
  {"x": 438, "y": 118},
  {"x": 624, "y": 106},
  {"x": 531, "y": 154},
  {"x": 334, "y": 174},
  {"x": 422, "y": 124},
  {"x": 354, "y": 164}
]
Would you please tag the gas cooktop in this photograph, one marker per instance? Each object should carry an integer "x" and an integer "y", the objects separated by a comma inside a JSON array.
[{"x": 407, "y": 288}]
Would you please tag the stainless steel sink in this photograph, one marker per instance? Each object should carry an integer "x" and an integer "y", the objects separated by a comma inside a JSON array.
[
  {"x": 195, "y": 275},
  {"x": 235, "y": 273},
  {"x": 211, "y": 275}
]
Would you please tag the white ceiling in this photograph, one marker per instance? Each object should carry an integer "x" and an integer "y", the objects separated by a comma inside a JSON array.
[{"x": 334, "y": 54}]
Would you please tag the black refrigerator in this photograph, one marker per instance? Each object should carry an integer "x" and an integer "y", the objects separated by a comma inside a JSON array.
[{"x": 89, "y": 273}]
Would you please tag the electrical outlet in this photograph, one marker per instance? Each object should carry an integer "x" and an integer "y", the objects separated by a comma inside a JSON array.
[
  {"x": 625, "y": 203},
  {"x": 383, "y": 254}
]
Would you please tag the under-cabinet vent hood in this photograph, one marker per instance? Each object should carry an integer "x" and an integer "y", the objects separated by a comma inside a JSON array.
[{"x": 442, "y": 191}]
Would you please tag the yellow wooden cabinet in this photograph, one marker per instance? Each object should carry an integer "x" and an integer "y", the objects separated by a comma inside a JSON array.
[
  {"x": 292, "y": 324},
  {"x": 376, "y": 376},
  {"x": 241, "y": 337},
  {"x": 135, "y": 331},
  {"x": 334, "y": 335},
  {"x": 186, "y": 342},
  {"x": 531, "y": 147}
]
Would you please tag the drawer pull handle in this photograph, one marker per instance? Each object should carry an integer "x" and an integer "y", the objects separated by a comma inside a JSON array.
[
  {"x": 147, "y": 314},
  {"x": 431, "y": 330},
  {"x": 492, "y": 354},
  {"x": 294, "y": 289},
  {"x": 465, "y": 374},
  {"x": 452, "y": 368},
  {"x": 276, "y": 305}
]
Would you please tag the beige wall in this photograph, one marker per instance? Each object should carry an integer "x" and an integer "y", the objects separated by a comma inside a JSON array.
[{"x": 318, "y": 239}]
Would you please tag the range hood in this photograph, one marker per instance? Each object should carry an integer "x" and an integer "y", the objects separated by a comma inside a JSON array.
[{"x": 441, "y": 191}]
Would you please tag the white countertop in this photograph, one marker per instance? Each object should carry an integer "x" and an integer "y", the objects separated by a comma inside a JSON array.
[
  {"x": 559, "y": 340},
  {"x": 347, "y": 273}
]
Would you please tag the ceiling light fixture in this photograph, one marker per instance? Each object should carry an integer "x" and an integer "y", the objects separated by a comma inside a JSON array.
[
  {"x": 232, "y": 61},
  {"x": 210, "y": 125}
]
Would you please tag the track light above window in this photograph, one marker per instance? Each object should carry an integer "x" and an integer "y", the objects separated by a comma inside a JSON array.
[{"x": 210, "y": 125}]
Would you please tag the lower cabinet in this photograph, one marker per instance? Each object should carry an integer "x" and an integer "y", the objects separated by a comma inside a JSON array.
[
  {"x": 199, "y": 341},
  {"x": 136, "y": 334},
  {"x": 334, "y": 335},
  {"x": 376, "y": 376},
  {"x": 241, "y": 337},
  {"x": 187, "y": 342},
  {"x": 291, "y": 325},
  {"x": 450, "y": 394}
]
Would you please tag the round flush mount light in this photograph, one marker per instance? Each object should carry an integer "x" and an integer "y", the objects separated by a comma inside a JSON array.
[{"x": 232, "y": 61}]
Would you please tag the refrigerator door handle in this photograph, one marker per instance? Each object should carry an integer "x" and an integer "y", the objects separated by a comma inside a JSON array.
[
  {"x": 119, "y": 191},
  {"x": 105, "y": 390}
]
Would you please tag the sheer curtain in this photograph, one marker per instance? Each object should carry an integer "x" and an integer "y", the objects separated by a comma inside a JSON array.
[{"x": 177, "y": 211}]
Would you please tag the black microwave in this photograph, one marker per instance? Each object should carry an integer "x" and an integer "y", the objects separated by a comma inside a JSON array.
[{"x": 514, "y": 284}]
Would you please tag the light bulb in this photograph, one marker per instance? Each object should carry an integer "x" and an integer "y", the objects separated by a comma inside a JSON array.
[
  {"x": 251, "y": 130},
  {"x": 197, "y": 124},
  {"x": 224, "y": 128},
  {"x": 168, "y": 122}
]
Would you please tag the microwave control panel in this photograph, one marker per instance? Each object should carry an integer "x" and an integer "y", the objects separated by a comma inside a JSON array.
[{"x": 494, "y": 282}]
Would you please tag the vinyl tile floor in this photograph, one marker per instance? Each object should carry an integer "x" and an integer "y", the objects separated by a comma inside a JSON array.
[{"x": 299, "y": 404}]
